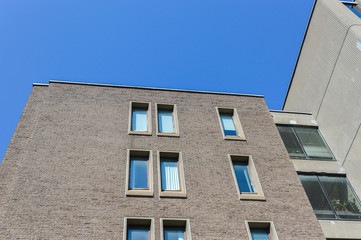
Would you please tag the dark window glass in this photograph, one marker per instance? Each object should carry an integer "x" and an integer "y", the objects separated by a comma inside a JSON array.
[
  {"x": 174, "y": 233},
  {"x": 138, "y": 173},
  {"x": 342, "y": 197},
  {"x": 290, "y": 140},
  {"x": 243, "y": 178},
  {"x": 138, "y": 233},
  {"x": 260, "y": 234},
  {"x": 228, "y": 124},
  {"x": 318, "y": 200}
]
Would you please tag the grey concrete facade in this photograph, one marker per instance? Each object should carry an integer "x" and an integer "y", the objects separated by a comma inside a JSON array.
[{"x": 63, "y": 175}]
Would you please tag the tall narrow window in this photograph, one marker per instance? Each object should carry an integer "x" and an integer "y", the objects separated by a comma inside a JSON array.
[
  {"x": 139, "y": 173},
  {"x": 167, "y": 120},
  {"x": 172, "y": 182},
  {"x": 230, "y": 124},
  {"x": 246, "y": 178},
  {"x": 304, "y": 143},
  {"x": 138, "y": 228},
  {"x": 140, "y": 118},
  {"x": 175, "y": 229},
  {"x": 261, "y": 230}
]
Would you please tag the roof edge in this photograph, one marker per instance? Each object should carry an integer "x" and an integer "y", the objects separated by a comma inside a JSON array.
[
  {"x": 151, "y": 88},
  {"x": 299, "y": 53},
  {"x": 291, "y": 112},
  {"x": 41, "y": 84}
]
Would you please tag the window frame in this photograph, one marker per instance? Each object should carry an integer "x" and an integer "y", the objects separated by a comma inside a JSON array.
[
  {"x": 258, "y": 192},
  {"x": 262, "y": 225},
  {"x": 138, "y": 221},
  {"x": 149, "y": 118},
  {"x": 176, "y": 222},
  {"x": 329, "y": 201},
  {"x": 139, "y": 192},
  {"x": 236, "y": 121},
  {"x": 175, "y": 119},
  {"x": 301, "y": 145},
  {"x": 182, "y": 193}
]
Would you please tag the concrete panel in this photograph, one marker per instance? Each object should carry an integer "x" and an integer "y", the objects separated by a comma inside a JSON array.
[
  {"x": 293, "y": 118},
  {"x": 341, "y": 229},
  {"x": 317, "y": 166}
]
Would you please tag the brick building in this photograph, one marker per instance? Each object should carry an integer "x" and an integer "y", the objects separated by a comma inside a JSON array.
[{"x": 93, "y": 161}]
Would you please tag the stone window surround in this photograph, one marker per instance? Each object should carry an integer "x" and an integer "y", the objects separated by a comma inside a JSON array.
[
  {"x": 175, "y": 119},
  {"x": 178, "y": 222},
  {"x": 141, "y": 221},
  {"x": 149, "y": 118},
  {"x": 236, "y": 121},
  {"x": 262, "y": 224}
]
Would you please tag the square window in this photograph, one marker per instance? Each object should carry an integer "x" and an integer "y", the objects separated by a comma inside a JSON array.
[
  {"x": 246, "y": 178},
  {"x": 171, "y": 175},
  {"x": 261, "y": 230},
  {"x": 138, "y": 229},
  {"x": 167, "y": 123},
  {"x": 140, "y": 118},
  {"x": 139, "y": 173},
  {"x": 175, "y": 229},
  {"x": 230, "y": 124},
  {"x": 304, "y": 143},
  {"x": 331, "y": 197}
]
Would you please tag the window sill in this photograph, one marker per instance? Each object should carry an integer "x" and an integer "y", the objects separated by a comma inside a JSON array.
[
  {"x": 174, "y": 194},
  {"x": 139, "y": 133},
  {"x": 252, "y": 196},
  {"x": 237, "y": 138},
  {"x": 159, "y": 134},
  {"x": 139, "y": 193}
]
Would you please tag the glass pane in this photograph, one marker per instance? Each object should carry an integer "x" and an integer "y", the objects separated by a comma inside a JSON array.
[
  {"x": 138, "y": 173},
  {"x": 243, "y": 178},
  {"x": 290, "y": 140},
  {"x": 318, "y": 200},
  {"x": 228, "y": 124},
  {"x": 260, "y": 234},
  {"x": 342, "y": 197},
  {"x": 139, "y": 119},
  {"x": 313, "y": 143},
  {"x": 165, "y": 118},
  {"x": 138, "y": 233},
  {"x": 170, "y": 176},
  {"x": 174, "y": 233}
]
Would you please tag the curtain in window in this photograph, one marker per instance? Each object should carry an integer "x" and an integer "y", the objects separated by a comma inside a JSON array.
[
  {"x": 138, "y": 233},
  {"x": 170, "y": 176},
  {"x": 243, "y": 178},
  {"x": 165, "y": 118},
  {"x": 259, "y": 234},
  {"x": 174, "y": 234},
  {"x": 139, "y": 119},
  {"x": 138, "y": 173},
  {"x": 313, "y": 143},
  {"x": 228, "y": 124}
]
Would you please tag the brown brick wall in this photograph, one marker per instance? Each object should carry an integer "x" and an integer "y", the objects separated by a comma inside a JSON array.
[{"x": 63, "y": 175}]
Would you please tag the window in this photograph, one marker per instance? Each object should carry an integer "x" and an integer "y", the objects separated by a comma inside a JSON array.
[
  {"x": 246, "y": 178},
  {"x": 138, "y": 229},
  {"x": 175, "y": 229},
  {"x": 140, "y": 119},
  {"x": 230, "y": 124},
  {"x": 171, "y": 175},
  {"x": 167, "y": 124},
  {"x": 304, "y": 143},
  {"x": 139, "y": 173},
  {"x": 261, "y": 230},
  {"x": 331, "y": 197}
]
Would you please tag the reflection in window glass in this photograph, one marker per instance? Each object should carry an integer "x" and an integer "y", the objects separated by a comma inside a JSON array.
[
  {"x": 243, "y": 178},
  {"x": 318, "y": 200},
  {"x": 260, "y": 234},
  {"x": 228, "y": 124},
  {"x": 312, "y": 143},
  {"x": 138, "y": 233},
  {"x": 138, "y": 173},
  {"x": 290, "y": 140},
  {"x": 165, "y": 121},
  {"x": 170, "y": 174},
  {"x": 139, "y": 119},
  {"x": 174, "y": 233}
]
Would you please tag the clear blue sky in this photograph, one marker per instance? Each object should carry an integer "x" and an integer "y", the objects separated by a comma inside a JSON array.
[{"x": 212, "y": 45}]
